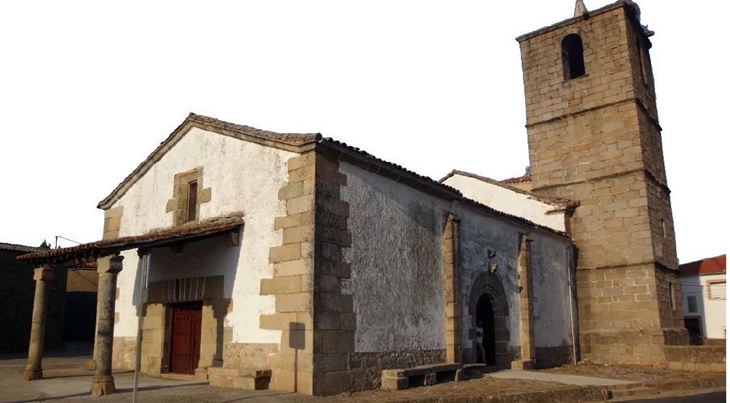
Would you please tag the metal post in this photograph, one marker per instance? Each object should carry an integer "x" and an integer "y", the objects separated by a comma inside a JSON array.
[{"x": 569, "y": 256}]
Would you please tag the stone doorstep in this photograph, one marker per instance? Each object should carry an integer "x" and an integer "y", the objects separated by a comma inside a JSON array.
[
  {"x": 471, "y": 371},
  {"x": 399, "y": 379},
  {"x": 239, "y": 378},
  {"x": 420, "y": 370}
]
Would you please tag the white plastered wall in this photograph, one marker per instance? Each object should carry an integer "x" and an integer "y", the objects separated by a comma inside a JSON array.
[
  {"x": 479, "y": 235},
  {"x": 396, "y": 264},
  {"x": 508, "y": 201},
  {"x": 244, "y": 177},
  {"x": 553, "y": 303}
]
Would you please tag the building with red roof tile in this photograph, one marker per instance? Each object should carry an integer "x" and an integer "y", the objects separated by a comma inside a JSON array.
[{"x": 704, "y": 293}]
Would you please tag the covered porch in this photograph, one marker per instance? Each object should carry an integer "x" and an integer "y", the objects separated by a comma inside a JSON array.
[{"x": 165, "y": 289}]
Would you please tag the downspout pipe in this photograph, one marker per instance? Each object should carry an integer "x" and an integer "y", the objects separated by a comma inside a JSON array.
[{"x": 569, "y": 266}]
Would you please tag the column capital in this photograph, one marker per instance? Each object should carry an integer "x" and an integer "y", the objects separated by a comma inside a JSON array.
[
  {"x": 43, "y": 273},
  {"x": 110, "y": 264}
]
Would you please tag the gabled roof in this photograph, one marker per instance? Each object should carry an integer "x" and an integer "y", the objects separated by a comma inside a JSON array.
[
  {"x": 554, "y": 201},
  {"x": 302, "y": 143},
  {"x": 710, "y": 265},
  {"x": 285, "y": 141}
]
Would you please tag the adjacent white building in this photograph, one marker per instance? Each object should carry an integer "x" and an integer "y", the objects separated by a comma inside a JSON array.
[{"x": 704, "y": 292}]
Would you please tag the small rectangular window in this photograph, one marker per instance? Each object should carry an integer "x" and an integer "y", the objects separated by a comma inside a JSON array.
[
  {"x": 671, "y": 296},
  {"x": 691, "y": 304},
  {"x": 192, "y": 200},
  {"x": 718, "y": 291}
]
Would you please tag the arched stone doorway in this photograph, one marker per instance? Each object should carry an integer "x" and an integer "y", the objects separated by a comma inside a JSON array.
[
  {"x": 485, "y": 319},
  {"x": 488, "y": 304}
]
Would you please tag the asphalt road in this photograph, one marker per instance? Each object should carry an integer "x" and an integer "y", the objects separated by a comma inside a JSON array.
[{"x": 714, "y": 397}]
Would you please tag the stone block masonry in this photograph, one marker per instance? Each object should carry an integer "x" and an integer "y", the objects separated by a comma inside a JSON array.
[
  {"x": 293, "y": 281},
  {"x": 596, "y": 139},
  {"x": 334, "y": 319},
  {"x": 452, "y": 280},
  {"x": 315, "y": 317},
  {"x": 527, "y": 331}
]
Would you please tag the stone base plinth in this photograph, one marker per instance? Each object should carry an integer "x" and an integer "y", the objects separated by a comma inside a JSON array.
[
  {"x": 102, "y": 386},
  {"x": 523, "y": 365},
  {"x": 201, "y": 374},
  {"x": 239, "y": 378},
  {"x": 32, "y": 374}
]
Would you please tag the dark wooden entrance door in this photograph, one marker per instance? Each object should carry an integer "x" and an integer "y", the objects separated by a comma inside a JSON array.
[
  {"x": 185, "y": 350},
  {"x": 485, "y": 316}
]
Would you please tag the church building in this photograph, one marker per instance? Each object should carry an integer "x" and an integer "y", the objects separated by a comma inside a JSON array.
[{"x": 296, "y": 262}]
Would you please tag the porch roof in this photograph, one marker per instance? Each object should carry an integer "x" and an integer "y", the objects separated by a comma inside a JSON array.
[{"x": 105, "y": 247}]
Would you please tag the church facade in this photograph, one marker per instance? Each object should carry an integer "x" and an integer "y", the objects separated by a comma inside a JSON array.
[{"x": 249, "y": 257}]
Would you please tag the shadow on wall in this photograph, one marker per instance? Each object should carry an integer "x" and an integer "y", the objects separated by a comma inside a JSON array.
[
  {"x": 209, "y": 257},
  {"x": 297, "y": 341}
]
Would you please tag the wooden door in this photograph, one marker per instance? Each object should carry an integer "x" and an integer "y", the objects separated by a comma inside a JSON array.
[{"x": 185, "y": 350}]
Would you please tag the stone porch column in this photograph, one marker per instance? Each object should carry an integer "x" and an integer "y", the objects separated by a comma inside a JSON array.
[
  {"x": 42, "y": 276},
  {"x": 527, "y": 331},
  {"x": 452, "y": 288},
  {"x": 103, "y": 382}
]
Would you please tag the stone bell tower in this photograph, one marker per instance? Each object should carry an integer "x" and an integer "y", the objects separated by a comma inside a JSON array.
[{"x": 594, "y": 137}]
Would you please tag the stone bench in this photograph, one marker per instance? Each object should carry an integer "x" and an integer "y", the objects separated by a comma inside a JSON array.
[
  {"x": 239, "y": 378},
  {"x": 424, "y": 375}
]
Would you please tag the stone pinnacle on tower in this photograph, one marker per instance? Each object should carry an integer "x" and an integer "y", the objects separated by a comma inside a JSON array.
[{"x": 580, "y": 9}]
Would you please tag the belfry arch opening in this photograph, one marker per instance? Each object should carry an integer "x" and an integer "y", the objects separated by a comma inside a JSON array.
[{"x": 573, "y": 63}]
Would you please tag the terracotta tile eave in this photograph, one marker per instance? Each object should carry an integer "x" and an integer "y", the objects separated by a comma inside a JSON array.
[
  {"x": 702, "y": 267},
  {"x": 286, "y": 141},
  {"x": 519, "y": 179},
  {"x": 90, "y": 251},
  {"x": 370, "y": 163}
]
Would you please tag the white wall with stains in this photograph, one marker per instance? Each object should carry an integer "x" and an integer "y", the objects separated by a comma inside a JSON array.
[
  {"x": 480, "y": 234},
  {"x": 397, "y": 266},
  {"x": 551, "y": 292},
  {"x": 244, "y": 177}
]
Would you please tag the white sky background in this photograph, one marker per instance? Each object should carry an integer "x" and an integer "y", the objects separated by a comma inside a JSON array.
[{"x": 89, "y": 89}]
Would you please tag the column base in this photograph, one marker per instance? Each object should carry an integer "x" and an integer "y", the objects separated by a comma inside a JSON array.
[
  {"x": 523, "y": 365},
  {"x": 201, "y": 374},
  {"x": 102, "y": 386},
  {"x": 33, "y": 374}
]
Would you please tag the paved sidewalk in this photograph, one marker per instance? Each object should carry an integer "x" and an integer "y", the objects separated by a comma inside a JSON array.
[
  {"x": 67, "y": 379},
  {"x": 559, "y": 378}
]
